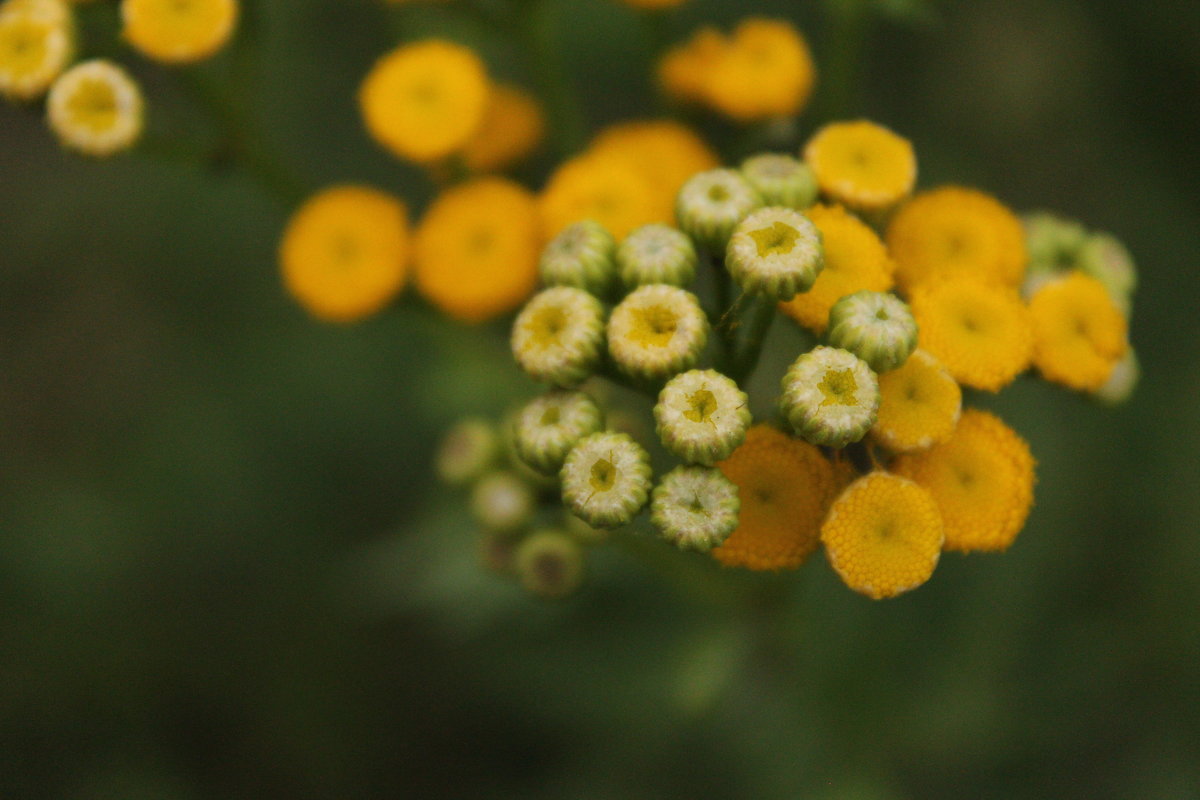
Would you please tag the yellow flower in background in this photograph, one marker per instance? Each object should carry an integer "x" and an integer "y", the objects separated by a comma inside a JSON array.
[
  {"x": 344, "y": 252},
  {"x": 952, "y": 231},
  {"x": 477, "y": 249},
  {"x": 425, "y": 100},
  {"x": 1079, "y": 334},
  {"x": 980, "y": 332},
  {"x": 35, "y": 47},
  {"x": 862, "y": 165},
  {"x": 667, "y": 153},
  {"x": 512, "y": 128},
  {"x": 95, "y": 108},
  {"x": 855, "y": 259},
  {"x": 49, "y": 10},
  {"x": 982, "y": 480},
  {"x": 919, "y": 405},
  {"x": 684, "y": 69},
  {"x": 603, "y": 188},
  {"x": 178, "y": 31},
  {"x": 785, "y": 486},
  {"x": 883, "y": 535}
]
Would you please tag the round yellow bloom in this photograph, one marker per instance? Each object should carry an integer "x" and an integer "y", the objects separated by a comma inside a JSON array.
[
  {"x": 766, "y": 71},
  {"x": 980, "y": 332},
  {"x": 477, "y": 249},
  {"x": 425, "y": 100},
  {"x": 919, "y": 405},
  {"x": 599, "y": 187},
  {"x": 51, "y": 10},
  {"x": 1079, "y": 335},
  {"x": 95, "y": 108},
  {"x": 344, "y": 252},
  {"x": 665, "y": 152},
  {"x": 982, "y": 480},
  {"x": 178, "y": 31},
  {"x": 684, "y": 71},
  {"x": 35, "y": 47},
  {"x": 512, "y": 128},
  {"x": 883, "y": 535},
  {"x": 862, "y": 165},
  {"x": 855, "y": 259},
  {"x": 951, "y": 232},
  {"x": 785, "y": 486}
]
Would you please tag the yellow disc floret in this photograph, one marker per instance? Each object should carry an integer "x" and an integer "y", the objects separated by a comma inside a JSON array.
[
  {"x": 602, "y": 188},
  {"x": 982, "y": 480},
  {"x": 35, "y": 46},
  {"x": 1079, "y": 335},
  {"x": 919, "y": 405},
  {"x": 861, "y": 165},
  {"x": 664, "y": 151},
  {"x": 344, "y": 252},
  {"x": 511, "y": 129},
  {"x": 684, "y": 70},
  {"x": 765, "y": 71},
  {"x": 179, "y": 31},
  {"x": 883, "y": 535}
]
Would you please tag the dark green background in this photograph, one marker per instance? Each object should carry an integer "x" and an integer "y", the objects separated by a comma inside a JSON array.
[{"x": 226, "y": 570}]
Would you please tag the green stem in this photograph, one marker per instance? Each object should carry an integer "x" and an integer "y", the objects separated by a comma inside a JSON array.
[
  {"x": 537, "y": 36},
  {"x": 722, "y": 318},
  {"x": 746, "y": 356},
  {"x": 847, "y": 26}
]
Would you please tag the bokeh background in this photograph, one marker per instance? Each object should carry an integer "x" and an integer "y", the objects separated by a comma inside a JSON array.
[{"x": 227, "y": 571}]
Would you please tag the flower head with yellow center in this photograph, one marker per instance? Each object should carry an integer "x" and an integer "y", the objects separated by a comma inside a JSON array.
[
  {"x": 765, "y": 71},
  {"x": 775, "y": 252},
  {"x": 657, "y": 331},
  {"x": 702, "y": 416},
  {"x": 665, "y": 152},
  {"x": 695, "y": 508},
  {"x": 546, "y": 429},
  {"x": 511, "y": 129},
  {"x": 656, "y": 253},
  {"x": 684, "y": 70},
  {"x": 581, "y": 255},
  {"x": 558, "y": 336},
  {"x": 712, "y": 203},
  {"x": 862, "y": 165},
  {"x": 606, "y": 479},
  {"x": 600, "y": 187},
  {"x": 781, "y": 180},
  {"x": 178, "y": 31},
  {"x": 830, "y": 397},
  {"x": 1079, "y": 335},
  {"x": 876, "y": 326},
  {"x": 883, "y": 535},
  {"x": 35, "y": 46},
  {"x": 982, "y": 479},
  {"x": 919, "y": 405}
]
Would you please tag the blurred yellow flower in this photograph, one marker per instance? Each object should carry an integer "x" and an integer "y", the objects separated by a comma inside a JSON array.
[
  {"x": 667, "y": 153},
  {"x": 178, "y": 31},
  {"x": 35, "y": 47},
  {"x": 477, "y": 249},
  {"x": 603, "y": 188},
  {"x": 511, "y": 129},
  {"x": 425, "y": 100},
  {"x": 862, "y": 165},
  {"x": 1079, "y": 335},
  {"x": 344, "y": 252},
  {"x": 684, "y": 69},
  {"x": 919, "y": 405},
  {"x": 95, "y": 108}
]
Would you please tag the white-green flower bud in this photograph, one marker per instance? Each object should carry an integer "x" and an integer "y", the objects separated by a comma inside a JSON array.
[
  {"x": 580, "y": 256},
  {"x": 830, "y": 397},
  {"x": 657, "y": 331},
  {"x": 1053, "y": 243},
  {"x": 775, "y": 252},
  {"x": 695, "y": 508},
  {"x": 1106, "y": 259},
  {"x": 606, "y": 479},
  {"x": 549, "y": 564},
  {"x": 656, "y": 253},
  {"x": 711, "y": 204},
  {"x": 558, "y": 337},
  {"x": 546, "y": 429},
  {"x": 781, "y": 180},
  {"x": 1121, "y": 381},
  {"x": 467, "y": 450},
  {"x": 501, "y": 501},
  {"x": 702, "y": 416},
  {"x": 876, "y": 326}
]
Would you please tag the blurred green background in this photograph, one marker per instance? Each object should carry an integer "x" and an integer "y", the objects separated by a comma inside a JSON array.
[{"x": 226, "y": 570}]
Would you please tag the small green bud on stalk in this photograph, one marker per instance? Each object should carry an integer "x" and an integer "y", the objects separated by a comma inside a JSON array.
[
  {"x": 582, "y": 255},
  {"x": 876, "y": 326},
  {"x": 695, "y": 508},
  {"x": 711, "y": 204},
  {"x": 830, "y": 397}
]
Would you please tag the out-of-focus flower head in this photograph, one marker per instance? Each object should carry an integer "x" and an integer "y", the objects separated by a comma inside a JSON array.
[{"x": 179, "y": 31}]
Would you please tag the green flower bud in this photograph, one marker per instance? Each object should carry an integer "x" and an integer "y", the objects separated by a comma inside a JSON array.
[
  {"x": 1053, "y": 243},
  {"x": 781, "y": 180},
  {"x": 558, "y": 336},
  {"x": 1121, "y": 381},
  {"x": 657, "y": 331},
  {"x": 712, "y": 203},
  {"x": 1106, "y": 259},
  {"x": 702, "y": 416},
  {"x": 875, "y": 326},
  {"x": 546, "y": 429},
  {"x": 549, "y": 564},
  {"x": 775, "y": 252},
  {"x": 501, "y": 501},
  {"x": 580, "y": 256},
  {"x": 830, "y": 397},
  {"x": 467, "y": 450},
  {"x": 606, "y": 479},
  {"x": 656, "y": 254},
  {"x": 695, "y": 508}
]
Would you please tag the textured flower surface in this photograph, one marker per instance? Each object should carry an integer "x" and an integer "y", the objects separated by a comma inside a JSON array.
[
  {"x": 919, "y": 405},
  {"x": 830, "y": 396},
  {"x": 695, "y": 508},
  {"x": 875, "y": 326},
  {"x": 702, "y": 416},
  {"x": 606, "y": 479},
  {"x": 581, "y": 255},
  {"x": 781, "y": 180},
  {"x": 546, "y": 429},
  {"x": 775, "y": 252},
  {"x": 862, "y": 165},
  {"x": 1079, "y": 334},
  {"x": 656, "y": 254},
  {"x": 656, "y": 331},
  {"x": 558, "y": 336},
  {"x": 712, "y": 203}
]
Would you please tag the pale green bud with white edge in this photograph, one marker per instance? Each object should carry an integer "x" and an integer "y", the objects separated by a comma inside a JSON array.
[
  {"x": 695, "y": 508},
  {"x": 657, "y": 331},
  {"x": 830, "y": 397},
  {"x": 1108, "y": 261},
  {"x": 702, "y": 416},
  {"x": 501, "y": 501},
  {"x": 549, "y": 564},
  {"x": 1121, "y": 381},
  {"x": 1053, "y": 243},
  {"x": 781, "y": 180},
  {"x": 878, "y": 327},
  {"x": 546, "y": 429},
  {"x": 711, "y": 204},
  {"x": 656, "y": 253},
  {"x": 558, "y": 337},
  {"x": 775, "y": 252},
  {"x": 582, "y": 255},
  {"x": 606, "y": 479},
  {"x": 467, "y": 450}
]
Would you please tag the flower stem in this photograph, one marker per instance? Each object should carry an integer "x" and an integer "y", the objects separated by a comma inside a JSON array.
[
  {"x": 746, "y": 356},
  {"x": 537, "y": 37}
]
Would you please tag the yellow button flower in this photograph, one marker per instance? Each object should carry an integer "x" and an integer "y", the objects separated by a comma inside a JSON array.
[
  {"x": 982, "y": 480},
  {"x": 919, "y": 405},
  {"x": 95, "y": 108},
  {"x": 785, "y": 486},
  {"x": 178, "y": 31},
  {"x": 511, "y": 129},
  {"x": 602, "y": 188},
  {"x": 684, "y": 70},
  {"x": 855, "y": 259},
  {"x": 344, "y": 252},
  {"x": 477, "y": 249},
  {"x": 665, "y": 152},
  {"x": 1079, "y": 335},
  {"x": 35, "y": 47},
  {"x": 425, "y": 100},
  {"x": 861, "y": 165},
  {"x": 951, "y": 231},
  {"x": 766, "y": 71},
  {"x": 980, "y": 332}
]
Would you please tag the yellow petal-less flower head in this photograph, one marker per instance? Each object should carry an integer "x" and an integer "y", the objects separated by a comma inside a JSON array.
[
  {"x": 765, "y": 71},
  {"x": 602, "y": 188},
  {"x": 344, "y": 252},
  {"x": 695, "y": 508},
  {"x": 953, "y": 232},
  {"x": 477, "y": 248},
  {"x": 982, "y": 479},
  {"x": 855, "y": 259},
  {"x": 549, "y": 564},
  {"x": 546, "y": 429},
  {"x": 875, "y": 326},
  {"x": 1079, "y": 334},
  {"x": 862, "y": 165},
  {"x": 511, "y": 129},
  {"x": 425, "y": 100},
  {"x": 606, "y": 479},
  {"x": 95, "y": 108},
  {"x": 656, "y": 332},
  {"x": 775, "y": 252},
  {"x": 683, "y": 72},
  {"x": 581, "y": 255},
  {"x": 711, "y": 204},
  {"x": 35, "y": 47},
  {"x": 701, "y": 416},
  {"x": 883, "y": 535},
  {"x": 830, "y": 397},
  {"x": 919, "y": 405},
  {"x": 665, "y": 151},
  {"x": 558, "y": 336},
  {"x": 656, "y": 253},
  {"x": 979, "y": 331},
  {"x": 781, "y": 180},
  {"x": 785, "y": 487},
  {"x": 178, "y": 31}
]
